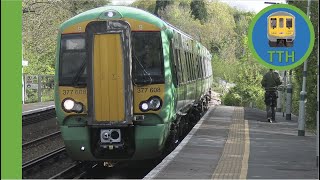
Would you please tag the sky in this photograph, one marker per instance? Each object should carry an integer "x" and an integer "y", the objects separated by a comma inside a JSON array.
[
  {"x": 251, "y": 5},
  {"x": 247, "y": 5}
]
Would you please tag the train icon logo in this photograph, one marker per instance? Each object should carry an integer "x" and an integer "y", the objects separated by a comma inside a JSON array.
[
  {"x": 281, "y": 37},
  {"x": 281, "y": 29}
]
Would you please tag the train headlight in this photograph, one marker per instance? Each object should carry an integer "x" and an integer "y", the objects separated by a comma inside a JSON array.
[
  {"x": 155, "y": 103},
  {"x": 70, "y": 105},
  {"x": 144, "y": 106}
]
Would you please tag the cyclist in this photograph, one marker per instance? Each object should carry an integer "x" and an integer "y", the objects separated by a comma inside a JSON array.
[{"x": 271, "y": 80}]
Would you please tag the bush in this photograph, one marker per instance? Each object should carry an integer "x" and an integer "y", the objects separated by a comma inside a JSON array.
[{"x": 232, "y": 99}]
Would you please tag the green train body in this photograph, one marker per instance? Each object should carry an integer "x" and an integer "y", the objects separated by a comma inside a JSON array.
[{"x": 109, "y": 105}]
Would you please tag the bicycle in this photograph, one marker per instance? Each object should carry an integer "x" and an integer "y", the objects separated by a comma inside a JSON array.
[{"x": 271, "y": 104}]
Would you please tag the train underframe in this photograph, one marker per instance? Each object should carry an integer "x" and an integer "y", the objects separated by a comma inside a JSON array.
[
  {"x": 281, "y": 42},
  {"x": 184, "y": 123}
]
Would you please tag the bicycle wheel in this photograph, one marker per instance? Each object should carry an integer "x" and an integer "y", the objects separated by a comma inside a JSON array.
[
  {"x": 269, "y": 112},
  {"x": 273, "y": 113}
]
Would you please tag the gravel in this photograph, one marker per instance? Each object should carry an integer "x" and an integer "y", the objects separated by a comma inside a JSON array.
[
  {"x": 39, "y": 129},
  {"x": 38, "y": 149}
]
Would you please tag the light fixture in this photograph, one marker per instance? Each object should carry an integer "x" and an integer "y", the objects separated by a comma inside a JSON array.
[{"x": 70, "y": 105}]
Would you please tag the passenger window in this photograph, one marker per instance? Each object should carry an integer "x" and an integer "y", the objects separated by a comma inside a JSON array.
[
  {"x": 273, "y": 22},
  {"x": 179, "y": 68},
  {"x": 191, "y": 67},
  {"x": 198, "y": 66},
  {"x": 187, "y": 66},
  {"x": 181, "y": 79},
  {"x": 184, "y": 65}
]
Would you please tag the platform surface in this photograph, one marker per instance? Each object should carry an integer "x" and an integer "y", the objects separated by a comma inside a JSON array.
[
  {"x": 238, "y": 143},
  {"x": 37, "y": 107}
]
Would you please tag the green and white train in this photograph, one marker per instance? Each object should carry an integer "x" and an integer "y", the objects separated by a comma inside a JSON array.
[{"x": 128, "y": 85}]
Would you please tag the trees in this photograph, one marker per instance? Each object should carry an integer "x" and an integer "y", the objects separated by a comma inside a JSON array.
[
  {"x": 199, "y": 10},
  {"x": 40, "y": 22},
  {"x": 223, "y": 30},
  {"x": 311, "y": 105},
  {"x": 160, "y": 5}
]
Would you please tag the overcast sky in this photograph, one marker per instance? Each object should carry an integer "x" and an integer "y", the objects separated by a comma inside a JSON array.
[
  {"x": 248, "y": 5},
  {"x": 251, "y": 5}
]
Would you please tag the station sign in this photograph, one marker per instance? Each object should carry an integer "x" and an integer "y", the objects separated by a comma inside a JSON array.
[
  {"x": 31, "y": 82},
  {"x": 281, "y": 37}
]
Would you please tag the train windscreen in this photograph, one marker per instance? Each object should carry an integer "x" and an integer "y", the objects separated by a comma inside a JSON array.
[
  {"x": 289, "y": 22},
  {"x": 147, "y": 61},
  {"x": 273, "y": 22},
  {"x": 72, "y": 60},
  {"x": 281, "y": 22}
]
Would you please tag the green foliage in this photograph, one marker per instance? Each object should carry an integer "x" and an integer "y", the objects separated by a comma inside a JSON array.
[
  {"x": 225, "y": 34},
  {"x": 232, "y": 99},
  {"x": 248, "y": 86},
  {"x": 32, "y": 95},
  {"x": 160, "y": 5},
  {"x": 147, "y": 5},
  {"x": 312, "y": 71},
  {"x": 40, "y": 22},
  {"x": 198, "y": 10}
]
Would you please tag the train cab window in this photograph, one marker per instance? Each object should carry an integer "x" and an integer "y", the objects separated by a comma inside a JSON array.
[
  {"x": 273, "y": 22},
  {"x": 289, "y": 22},
  {"x": 147, "y": 63},
  {"x": 281, "y": 22},
  {"x": 72, "y": 60}
]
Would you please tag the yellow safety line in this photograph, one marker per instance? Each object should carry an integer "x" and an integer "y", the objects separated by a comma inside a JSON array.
[
  {"x": 244, "y": 168},
  {"x": 233, "y": 163}
]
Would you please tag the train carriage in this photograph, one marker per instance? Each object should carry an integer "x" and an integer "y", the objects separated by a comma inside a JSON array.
[
  {"x": 128, "y": 84},
  {"x": 281, "y": 29}
]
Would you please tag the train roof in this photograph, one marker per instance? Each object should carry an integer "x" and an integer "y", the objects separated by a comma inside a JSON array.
[
  {"x": 280, "y": 13},
  {"x": 125, "y": 12}
]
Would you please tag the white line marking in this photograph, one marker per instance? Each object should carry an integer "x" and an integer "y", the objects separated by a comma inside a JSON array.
[
  {"x": 152, "y": 174},
  {"x": 38, "y": 110}
]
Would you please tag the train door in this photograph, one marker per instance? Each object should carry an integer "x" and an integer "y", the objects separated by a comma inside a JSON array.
[
  {"x": 281, "y": 27},
  {"x": 110, "y": 88}
]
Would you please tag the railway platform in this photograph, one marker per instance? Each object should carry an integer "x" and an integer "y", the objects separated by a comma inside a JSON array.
[
  {"x": 238, "y": 143},
  {"x": 37, "y": 107}
]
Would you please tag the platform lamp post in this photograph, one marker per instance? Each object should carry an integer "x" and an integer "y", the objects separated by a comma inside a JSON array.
[{"x": 303, "y": 93}]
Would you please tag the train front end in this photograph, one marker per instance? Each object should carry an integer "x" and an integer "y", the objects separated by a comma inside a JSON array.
[
  {"x": 109, "y": 104},
  {"x": 281, "y": 29}
]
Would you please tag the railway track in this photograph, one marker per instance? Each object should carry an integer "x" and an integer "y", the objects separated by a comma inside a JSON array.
[
  {"x": 76, "y": 171},
  {"x": 28, "y": 144},
  {"x": 38, "y": 162},
  {"x": 38, "y": 116}
]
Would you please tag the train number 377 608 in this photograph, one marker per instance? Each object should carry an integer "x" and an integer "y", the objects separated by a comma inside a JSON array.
[{"x": 151, "y": 90}]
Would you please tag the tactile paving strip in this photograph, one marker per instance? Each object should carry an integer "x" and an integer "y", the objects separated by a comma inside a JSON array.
[{"x": 233, "y": 163}]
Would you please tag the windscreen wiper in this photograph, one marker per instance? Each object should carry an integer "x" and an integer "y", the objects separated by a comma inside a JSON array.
[
  {"x": 79, "y": 73},
  {"x": 143, "y": 69}
]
